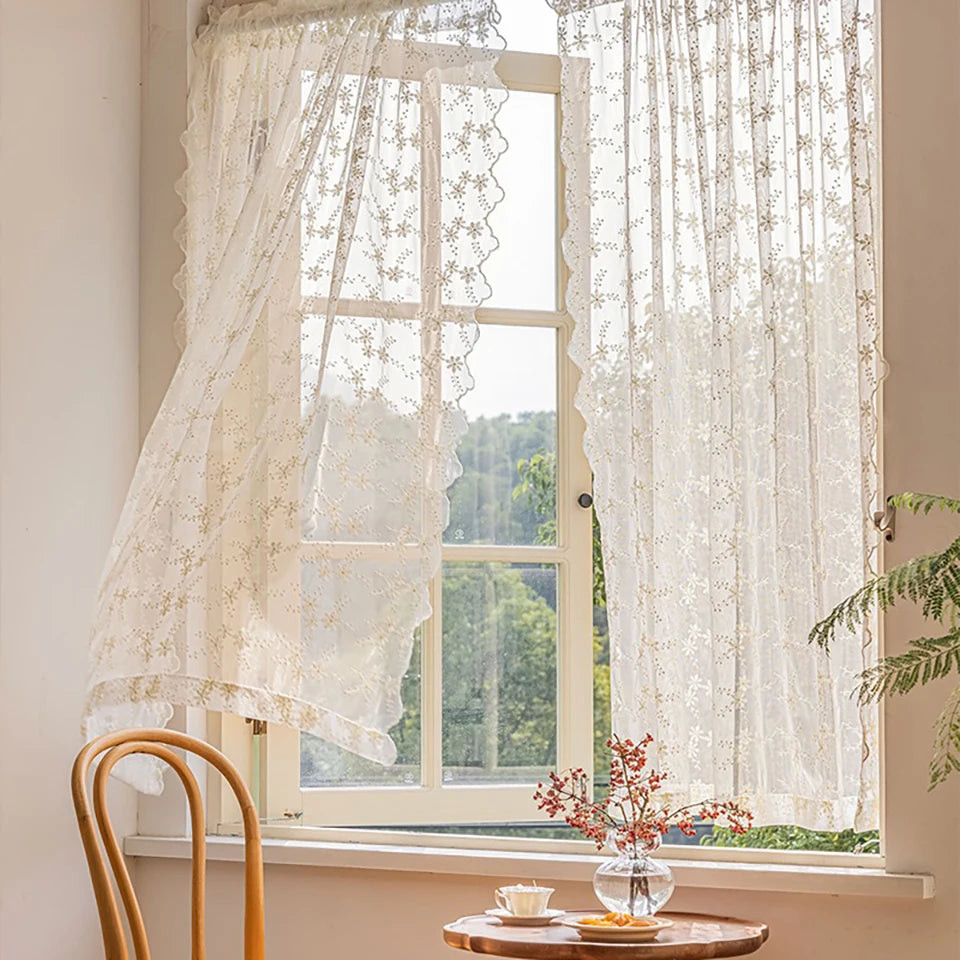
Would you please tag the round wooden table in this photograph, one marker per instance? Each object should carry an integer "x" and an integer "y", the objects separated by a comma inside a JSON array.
[{"x": 692, "y": 935}]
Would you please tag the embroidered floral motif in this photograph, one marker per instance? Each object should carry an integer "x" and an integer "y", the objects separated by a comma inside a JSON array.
[
  {"x": 722, "y": 214},
  {"x": 284, "y": 521}
]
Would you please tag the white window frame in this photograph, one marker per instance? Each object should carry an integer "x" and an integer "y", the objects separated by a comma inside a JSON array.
[
  {"x": 271, "y": 761},
  {"x": 276, "y": 755}
]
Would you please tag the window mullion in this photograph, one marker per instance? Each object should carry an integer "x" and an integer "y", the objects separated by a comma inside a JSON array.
[
  {"x": 431, "y": 292},
  {"x": 574, "y": 534},
  {"x": 495, "y": 553},
  {"x": 283, "y": 558},
  {"x": 431, "y": 733},
  {"x": 575, "y": 626}
]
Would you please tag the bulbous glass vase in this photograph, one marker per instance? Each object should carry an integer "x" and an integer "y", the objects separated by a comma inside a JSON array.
[{"x": 632, "y": 881}]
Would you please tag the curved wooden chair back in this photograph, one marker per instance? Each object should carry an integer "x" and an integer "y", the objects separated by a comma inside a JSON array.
[{"x": 114, "y": 747}]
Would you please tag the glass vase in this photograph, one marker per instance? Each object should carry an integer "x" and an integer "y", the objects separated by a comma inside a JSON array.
[{"x": 633, "y": 881}]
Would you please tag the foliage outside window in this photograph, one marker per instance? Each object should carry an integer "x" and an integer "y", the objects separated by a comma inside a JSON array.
[{"x": 524, "y": 502}]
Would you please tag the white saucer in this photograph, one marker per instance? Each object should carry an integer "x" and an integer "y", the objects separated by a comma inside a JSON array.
[{"x": 509, "y": 920}]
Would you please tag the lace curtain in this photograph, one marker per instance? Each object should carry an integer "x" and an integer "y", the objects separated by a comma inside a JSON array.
[
  {"x": 284, "y": 521},
  {"x": 722, "y": 202},
  {"x": 274, "y": 553}
]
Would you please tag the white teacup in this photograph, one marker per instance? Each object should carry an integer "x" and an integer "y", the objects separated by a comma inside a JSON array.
[{"x": 524, "y": 900}]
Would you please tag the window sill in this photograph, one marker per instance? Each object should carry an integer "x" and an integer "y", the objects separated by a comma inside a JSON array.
[{"x": 777, "y": 878}]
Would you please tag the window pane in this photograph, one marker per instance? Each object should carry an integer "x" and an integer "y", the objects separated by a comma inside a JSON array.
[
  {"x": 529, "y": 25},
  {"x": 384, "y": 261},
  {"x": 363, "y": 413},
  {"x": 324, "y": 765},
  {"x": 499, "y": 672},
  {"x": 469, "y": 147},
  {"x": 522, "y": 271},
  {"x": 507, "y": 491},
  {"x": 602, "y": 725}
]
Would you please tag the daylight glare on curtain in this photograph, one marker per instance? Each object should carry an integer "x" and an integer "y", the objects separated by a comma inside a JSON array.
[
  {"x": 722, "y": 201},
  {"x": 274, "y": 554}
]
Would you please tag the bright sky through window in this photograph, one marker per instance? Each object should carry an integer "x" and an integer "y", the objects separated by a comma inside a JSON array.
[
  {"x": 515, "y": 372},
  {"x": 523, "y": 271},
  {"x": 529, "y": 26}
]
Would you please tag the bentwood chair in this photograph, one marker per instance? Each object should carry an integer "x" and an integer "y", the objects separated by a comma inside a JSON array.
[{"x": 157, "y": 743}]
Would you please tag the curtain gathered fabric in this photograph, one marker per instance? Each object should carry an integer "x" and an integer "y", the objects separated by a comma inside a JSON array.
[
  {"x": 274, "y": 553},
  {"x": 722, "y": 202}
]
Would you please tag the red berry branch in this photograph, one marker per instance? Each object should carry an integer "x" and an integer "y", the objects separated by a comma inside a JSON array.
[{"x": 630, "y": 810}]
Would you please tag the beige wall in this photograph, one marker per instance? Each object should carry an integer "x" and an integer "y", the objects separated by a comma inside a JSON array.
[
  {"x": 167, "y": 25},
  {"x": 69, "y": 193},
  {"x": 368, "y": 915},
  {"x": 328, "y": 912},
  {"x": 921, "y": 117}
]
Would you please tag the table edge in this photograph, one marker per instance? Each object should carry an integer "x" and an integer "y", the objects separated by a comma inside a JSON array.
[{"x": 461, "y": 940}]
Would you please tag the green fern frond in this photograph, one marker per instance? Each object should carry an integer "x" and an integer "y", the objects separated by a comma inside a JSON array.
[
  {"x": 928, "y": 658},
  {"x": 930, "y": 579},
  {"x": 946, "y": 749},
  {"x": 933, "y": 582},
  {"x": 924, "y": 503}
]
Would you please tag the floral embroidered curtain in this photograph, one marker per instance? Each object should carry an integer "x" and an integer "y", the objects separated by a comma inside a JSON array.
[
  {"x": 285, "y": 519},
  {"x": 274, "y": 553},
  {"x": 722, "y": 200}
]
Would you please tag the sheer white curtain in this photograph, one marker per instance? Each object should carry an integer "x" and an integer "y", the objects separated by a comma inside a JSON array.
[
  {"x": 274, "y": 553},
  {"x": 721, "y": 193}
]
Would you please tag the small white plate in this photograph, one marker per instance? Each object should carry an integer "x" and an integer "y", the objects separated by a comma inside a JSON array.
[
  {"x": 509, "y": 920},
  {"x": 589, "y": 931}
]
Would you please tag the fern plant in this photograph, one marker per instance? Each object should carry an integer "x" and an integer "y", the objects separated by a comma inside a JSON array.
[{"x": 933, "y": 581}]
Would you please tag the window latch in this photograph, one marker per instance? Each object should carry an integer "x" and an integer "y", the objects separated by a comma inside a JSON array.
[{"x": 885, "y": 520}]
